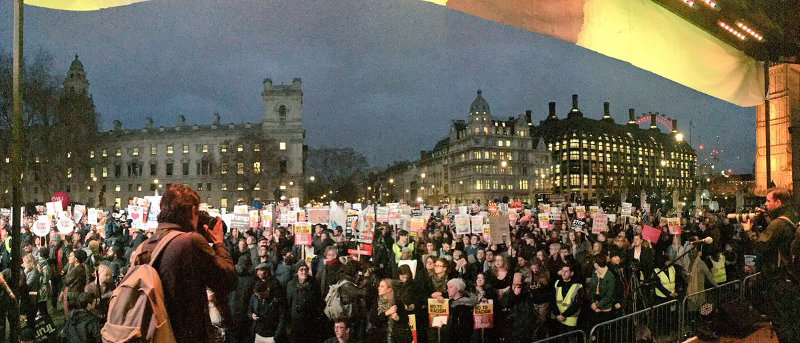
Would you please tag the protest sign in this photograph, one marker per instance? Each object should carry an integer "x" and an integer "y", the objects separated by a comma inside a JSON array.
[
  {"x": 302, "y": 234},
  {"x": 462, "y": 224},
  {"x": 580, "y": 212},
  {"x": 593, "y": 211},
  {"x": 54, "y": 207},
  {"x": 153, "y": 210},
  {"x": 254, "y": 218},
  {"x": 483, "y": 315},
  {"x": 578, "y": 225},
  {"x": 438, "y": 312},
  {"x": 499, "y": 228},
  {"x": 493, "y": 209},
  {"x": 64, "y": 224},
  {"x": 651, "y": 234},
  {"x": 412, "y": 323},
  {"x": 477, "y": 224},
  {"x": 626, "y": 209},
  {"x": 555, "y": 210},
  {"x": 240, "y": 221},
  {"x": 91, "y": 216},
  {"x": 383, "y": 215},
  {"x": 294, "y": 202},
  {"x": 544, "y": 221},
  {"x": 600, "y": 223},
  {"x": 42, "y": 226},
  {"x": 301, "y": 216},
  {"x": 749, "y": 264},
  {"x": 463, "y": 210},
  {"x": 240, "y": 209},
  {"x": 612, "y": 218},
  {"x": 266, "y": 218},
  {"x": 646, "y": 208},
  {"x": 417, "y": 225},
  {"x": 319, "y": 215},
  {"x": 137, "y": 214},
  {"x": 352, "y": 224},
  {"x": 674, "y": 225},
  {"x": 78, "y": 212},
  {"x": 545, "y": 208},
  {"x": 291, "y": 218}
]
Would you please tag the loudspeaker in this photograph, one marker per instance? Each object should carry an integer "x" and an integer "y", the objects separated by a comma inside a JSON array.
[{"x": 737, "y": 318}]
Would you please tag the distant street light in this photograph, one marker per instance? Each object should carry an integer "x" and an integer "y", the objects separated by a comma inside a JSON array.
[
  {"x": 503, "y": 164},
  {"x": 422, "y": 175},
  {"x": 312, "y": 178},
  {"x": 391, "y": 180}
]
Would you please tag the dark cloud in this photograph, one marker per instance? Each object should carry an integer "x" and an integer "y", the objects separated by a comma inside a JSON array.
[{"x": 385, "y": 77}]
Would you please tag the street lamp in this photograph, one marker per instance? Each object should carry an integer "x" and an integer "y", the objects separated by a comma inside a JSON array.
[
  {"x": 391, "y": 181},
  {"x": 312, "y": 178},
  {"x": 679, "y": 137}
]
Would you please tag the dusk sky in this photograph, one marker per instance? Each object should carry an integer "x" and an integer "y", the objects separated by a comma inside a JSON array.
[{"x": 384, "y": 77}]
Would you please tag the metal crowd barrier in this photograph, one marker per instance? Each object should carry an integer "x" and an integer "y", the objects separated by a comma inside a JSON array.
[
  {"x": 748, "y": 286},
  {"x": 691, "y": 304},
  {"x": 663, "y": 321},
  {"x": 577, "y": 336}
]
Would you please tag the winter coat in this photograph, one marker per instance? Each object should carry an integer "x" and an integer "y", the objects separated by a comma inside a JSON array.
[
  {"x": 460, "y": 323},
  {"x": 268, "y": 310}
]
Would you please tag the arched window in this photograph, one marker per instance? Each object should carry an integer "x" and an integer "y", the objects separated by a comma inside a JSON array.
[{"x": 282, "y": 114}]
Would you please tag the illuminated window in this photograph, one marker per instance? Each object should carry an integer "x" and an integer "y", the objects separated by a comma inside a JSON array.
[
  {"x": 257, "y": 187},
  {"x": 224, "y": 187},
  {"x": 136, "y": 151},
  {"x": 223, "y": 148},
  {"x": 119, "y": 152},
  {"x": 239, "y": 187},
  {"x": 477, "y": 184},
  {"x": 283, "y": 187},
  {"x": 256, "y": 147},
  {"x": 240, "y": 168},
  {"x": 185, "y": 149},
  {"x": 117, "y": 188},
  {"x": 105, "y": 171},
  {"x": 256, "y": 167},
  {"x": 282, "y": 146},
  {"x": 91, "y": 154},
  {"x": 223, "y": 203},
  {"x": 205, "y": 147},
  {"x": 153, "y": 149},
  {"x": 500, "y": 143},
  {"x": 169, "y": 149},
  {"x": 69, "y": 173},
  {"x": 240, "y": 148}
]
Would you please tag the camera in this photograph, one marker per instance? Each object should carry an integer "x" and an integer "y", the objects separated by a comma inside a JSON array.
[{"x": 758, "y": 219}]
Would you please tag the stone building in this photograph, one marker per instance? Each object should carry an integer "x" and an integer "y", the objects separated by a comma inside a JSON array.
[
  {"x": 483, "y": 159},
  {"x": 132, "y": 162},
  {"x": 598, "y": 158}
]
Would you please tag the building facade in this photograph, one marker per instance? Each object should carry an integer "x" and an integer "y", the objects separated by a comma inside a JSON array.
[
  {"x": 598, "y": 158},
  {"x": 132, "y": 162},
  {"x": 483, "y": 159}
]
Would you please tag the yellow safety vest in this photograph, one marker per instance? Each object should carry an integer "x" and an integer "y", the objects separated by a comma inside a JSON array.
[
  {"x": 8, "y": 244},
  {"x": 563, "y": 303},
  {"x": 398, "y": 251},
  {"x": 667, "y": 279},
  {"x": 718, "y": 270}
]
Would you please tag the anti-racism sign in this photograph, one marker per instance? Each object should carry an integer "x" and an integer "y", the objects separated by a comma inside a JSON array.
[
  {"x": 302, "y": 234},
  {"x": 674, "y": 225},
  {"x": 483, "y": 315},
  {"x": 600, "y": 223},
  {"x": 438, "y": 312}
]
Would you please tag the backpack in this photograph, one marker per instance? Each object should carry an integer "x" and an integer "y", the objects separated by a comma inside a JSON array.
[
  {"x": 137, "y": 311},
  {"x": 334, "y": 306}
]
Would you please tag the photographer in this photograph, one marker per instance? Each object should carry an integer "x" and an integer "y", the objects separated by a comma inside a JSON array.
[
  {"x": 194, "y": 260},
  {"x": 774, "y": 242},
  {"x": 774, "y": 295}
]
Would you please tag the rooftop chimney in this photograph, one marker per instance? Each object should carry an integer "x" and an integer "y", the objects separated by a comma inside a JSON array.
[
  {"x": 181, "y": 120},
  {"x": 606, "y": 111},
  {"x": 653, "y": 125},
  {"x": 297, "y": 83},
  {"x": 552, "y": 114},
  {"x": 148, "y": 123},
  {"x": 117, "y": 125},
  {"x": 216, "y": 118},
  {"x": 575, "y": 111},
  {"x": 674, "y": 125},
  {"x": 631, "y": 116}
]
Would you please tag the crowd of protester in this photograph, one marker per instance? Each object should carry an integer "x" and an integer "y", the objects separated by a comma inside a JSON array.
[{"x": 541, "y": 282}]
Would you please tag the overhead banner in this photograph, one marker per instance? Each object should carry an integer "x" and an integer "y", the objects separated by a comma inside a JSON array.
[{"x": 640, "y": 32}]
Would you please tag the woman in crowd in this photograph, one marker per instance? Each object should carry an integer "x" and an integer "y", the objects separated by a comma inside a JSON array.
[
  {"x": 390, "y": 319},
  {"x": 541, "y": 291}
]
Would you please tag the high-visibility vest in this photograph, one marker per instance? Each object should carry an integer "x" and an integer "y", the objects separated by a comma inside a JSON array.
[
  {"x": 8, "y": 244},
  {"x": 667, "y": 279},
  {"x": 563, "y": 302},
  {"x": 718, "y": 270},
  {"x": 398, "y": 251}
]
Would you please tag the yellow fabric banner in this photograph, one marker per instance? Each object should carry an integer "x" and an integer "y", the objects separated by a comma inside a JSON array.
[
  {"x": 80, "y": 5},
  {"x": 639, "y": 32}
]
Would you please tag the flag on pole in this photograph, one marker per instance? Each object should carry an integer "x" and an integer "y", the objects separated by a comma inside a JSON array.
[
  {"x": 80, "y": 5},
  {"x": 639, "y": 32}
]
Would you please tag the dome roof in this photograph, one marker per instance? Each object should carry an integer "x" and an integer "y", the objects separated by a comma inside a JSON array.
[
  {"x": 76, "y": 64},
  {"x": 479, "y": 104}
]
